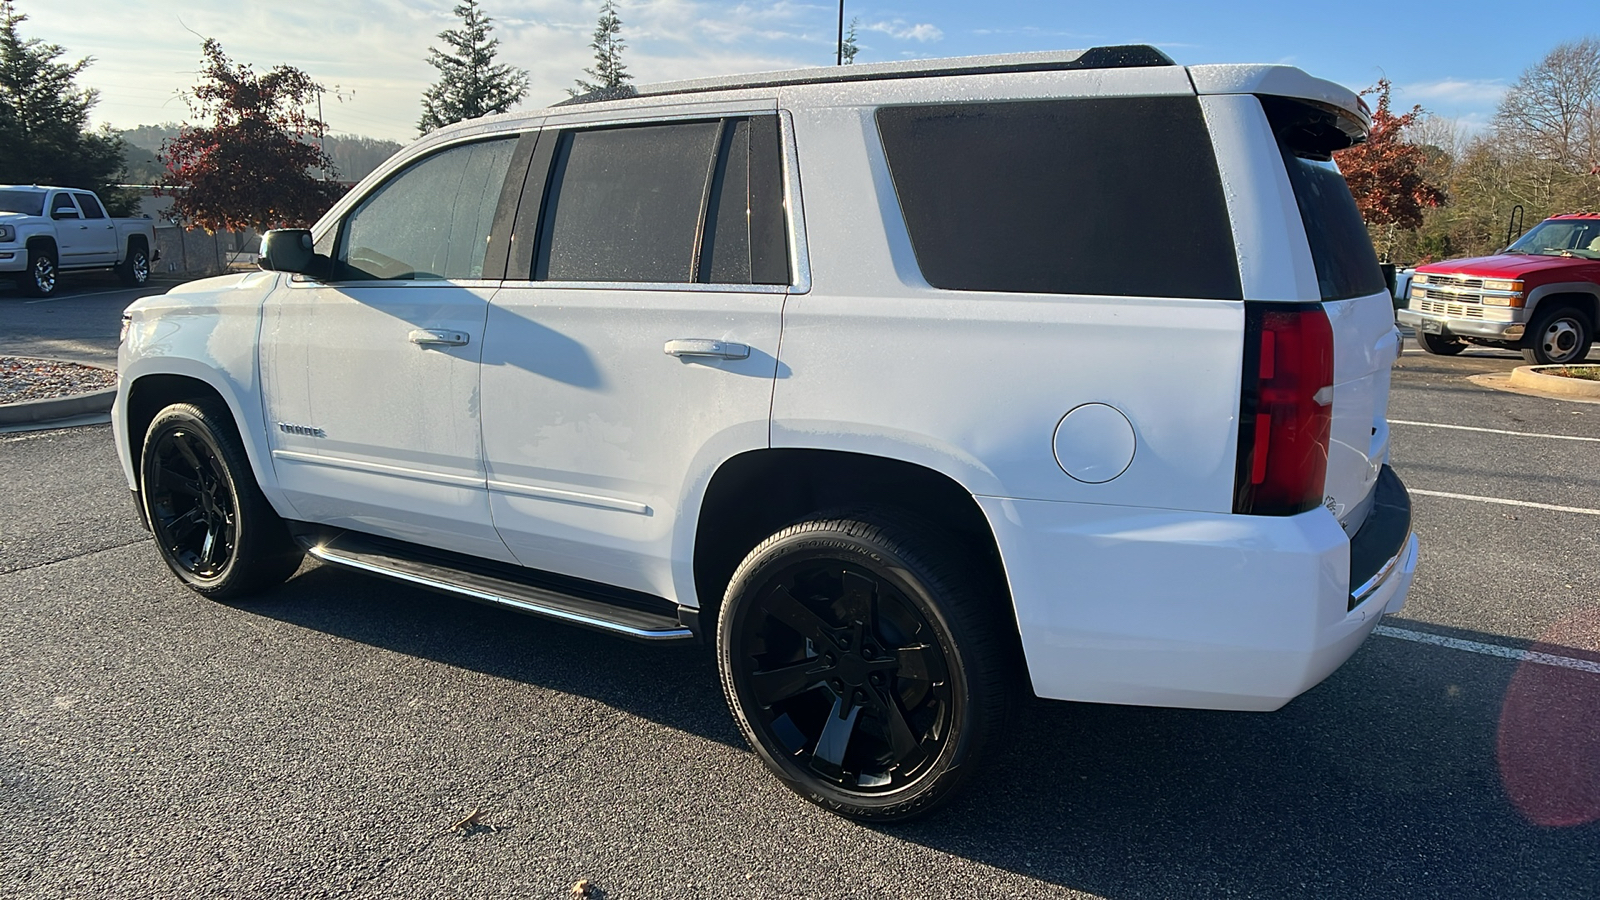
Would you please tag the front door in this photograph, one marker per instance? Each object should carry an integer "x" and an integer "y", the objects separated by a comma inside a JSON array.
[
  {"x": 638, "y": 350},
  {"x": 371, "y": 378},
  {"x": 99, "y": 232}
]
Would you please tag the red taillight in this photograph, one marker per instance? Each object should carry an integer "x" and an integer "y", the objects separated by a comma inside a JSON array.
[{"x": 1286, "y": 409}]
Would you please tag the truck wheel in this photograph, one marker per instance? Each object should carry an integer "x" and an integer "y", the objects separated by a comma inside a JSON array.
[
  {"x": 1558, "y": 337},
  {"x": 212, "y": 525},
  {"x": 862, "y": 664},
  {"x": 39, "y": 279},
  {"x": 1439, "y": 345},
  {"x": 135, "y": 270}
]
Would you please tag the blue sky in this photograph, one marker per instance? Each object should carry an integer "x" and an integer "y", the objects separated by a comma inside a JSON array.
[{"x": 1456, "y": 62}]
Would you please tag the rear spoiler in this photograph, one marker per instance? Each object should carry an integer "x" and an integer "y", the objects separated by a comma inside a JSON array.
[{"x": 1330, "y": 116}]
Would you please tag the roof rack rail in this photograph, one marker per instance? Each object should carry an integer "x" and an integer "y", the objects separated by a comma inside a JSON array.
[{"x": 1123, "y": 56}]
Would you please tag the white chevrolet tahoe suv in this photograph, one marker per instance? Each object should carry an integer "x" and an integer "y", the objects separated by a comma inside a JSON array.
[{"x": 900, "y": 384}]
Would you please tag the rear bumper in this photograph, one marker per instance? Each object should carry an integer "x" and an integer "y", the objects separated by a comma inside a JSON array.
[
  {"x": 1188, "y": 609},
  {"x": 1474, "y": 328}
]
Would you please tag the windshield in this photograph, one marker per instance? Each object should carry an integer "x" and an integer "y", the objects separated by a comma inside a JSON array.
[
  {"x": 1562, "y": 237},
  {"x": 29, "y": 203}
]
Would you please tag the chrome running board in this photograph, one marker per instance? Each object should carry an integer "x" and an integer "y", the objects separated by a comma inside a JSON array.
[{"x": 477, "y": 582}]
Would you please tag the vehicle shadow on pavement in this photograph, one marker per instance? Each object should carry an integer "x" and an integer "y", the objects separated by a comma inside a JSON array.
[
  {"x": 1391, "y": 779},
  {"x": 1383, "y": 781},
  {"x": 675, "y": 683}
]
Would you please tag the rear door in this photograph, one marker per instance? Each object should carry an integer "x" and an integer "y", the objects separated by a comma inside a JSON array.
[{"x": 634, "y": 348}]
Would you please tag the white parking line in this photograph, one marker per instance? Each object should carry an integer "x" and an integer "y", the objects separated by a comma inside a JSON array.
[
  {"x": 81, "y": 296},
  {"x": 1533, "y": 656},
  {"x": 1504, "y": 502},
  {"x": 1532, "y": 434}
]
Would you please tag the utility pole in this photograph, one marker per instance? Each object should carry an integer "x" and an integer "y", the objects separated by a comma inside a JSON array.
[{"x": 839, "y": 59}]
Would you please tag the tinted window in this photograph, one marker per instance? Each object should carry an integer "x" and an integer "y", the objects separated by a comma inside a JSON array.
[
  {"x": 62, "y": 203},
  {"x": 624, "y": 204},
  {"x": 29, "y": 203},
  {"x": 1116, "y": 196},
  {"x": 746, "y": 241},
  {"x": 1341, "y": 249},
  {"x": 90, "y": 206},
  {"x": 430, "y": 221}
]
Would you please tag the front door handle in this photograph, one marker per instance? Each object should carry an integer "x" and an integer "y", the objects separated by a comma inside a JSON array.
[
  {"x": 433, "y": 337},
  {"x": 705, "y": 348}
]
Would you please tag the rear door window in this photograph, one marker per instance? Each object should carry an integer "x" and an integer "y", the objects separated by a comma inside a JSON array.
[
  {"x": 671, "y": 203},
  {"x": 431, "y": 221},
  {"x": 1108, "y": 196},
  {"x": 90, "y": 206}
]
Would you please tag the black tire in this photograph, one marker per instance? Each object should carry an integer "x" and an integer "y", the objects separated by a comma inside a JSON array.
[
  {"x": 42, "y": 275},
  {"x": 1558, "y": 337},
  {"x": 1439, "y": 345},
  {"x": 863, "y": 664},
  {"x": 212, "y": 525},
  {"x": 135, "y": 270}
]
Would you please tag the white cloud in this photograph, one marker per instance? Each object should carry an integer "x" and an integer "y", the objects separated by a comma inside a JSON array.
[
  {"x": 1466, "y": 92},
  {"x": 901, "y": 30}
]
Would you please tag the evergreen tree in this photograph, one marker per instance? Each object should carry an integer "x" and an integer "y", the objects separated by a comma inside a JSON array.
[
  {"x": 44, "y": 119},
  {"x": 609, "y": 74},
  {"x": 848, "y": 50},
  {"x": 470, "y": 83}
]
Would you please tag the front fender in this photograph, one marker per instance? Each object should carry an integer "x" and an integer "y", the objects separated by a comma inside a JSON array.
[
  {"x": 208, "y": 333},
  {"x": 1539, "y": 293}
]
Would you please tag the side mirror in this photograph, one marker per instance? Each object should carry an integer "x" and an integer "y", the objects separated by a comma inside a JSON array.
[
  {"x": 290, "y": 250},
  {"x": 64, "y": 214}
]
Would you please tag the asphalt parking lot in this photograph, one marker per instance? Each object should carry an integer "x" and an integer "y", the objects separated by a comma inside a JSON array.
[{"x": 321, "y": 740}]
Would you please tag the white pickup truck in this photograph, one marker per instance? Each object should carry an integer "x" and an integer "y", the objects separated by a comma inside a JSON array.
[{"x": 48, "y": 230}]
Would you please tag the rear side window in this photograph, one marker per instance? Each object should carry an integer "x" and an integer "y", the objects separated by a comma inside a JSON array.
[
  {"x": 431, "y": 221},
  {"x": 90, "y": 206},
  {"x": 1341, "y": 249},
  {"x": 1109, "y": 196},
  {"x": 672, "y": 203}
]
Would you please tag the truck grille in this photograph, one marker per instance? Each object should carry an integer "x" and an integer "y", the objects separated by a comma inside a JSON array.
[
  {"x": 1456, "y": 289},
  {"x": 1440, "y": 307}
]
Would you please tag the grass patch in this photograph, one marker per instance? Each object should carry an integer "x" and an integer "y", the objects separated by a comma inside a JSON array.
[{"x": 1587, "y": 373}]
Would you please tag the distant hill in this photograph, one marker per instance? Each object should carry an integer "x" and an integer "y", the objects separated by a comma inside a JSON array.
[{"x": 353, "y": 155}]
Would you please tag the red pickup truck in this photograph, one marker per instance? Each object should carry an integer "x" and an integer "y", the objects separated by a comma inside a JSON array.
[{"x": 1541, "y": 295}]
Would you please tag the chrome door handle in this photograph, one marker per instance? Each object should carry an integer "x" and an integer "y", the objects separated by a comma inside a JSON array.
[
  {"x": 704, "y": 348},
  {"x": 433, "y": 337}
]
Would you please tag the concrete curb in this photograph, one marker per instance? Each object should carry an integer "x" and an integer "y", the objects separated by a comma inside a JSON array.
[
  {"x": 1532, "y": 378},
  {"x": 37, "y": 411}
]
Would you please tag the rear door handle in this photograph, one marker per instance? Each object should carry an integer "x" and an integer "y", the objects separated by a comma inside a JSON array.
[
  {"x": 433, "y": 337},
  {"x": 705, "y": 348}
]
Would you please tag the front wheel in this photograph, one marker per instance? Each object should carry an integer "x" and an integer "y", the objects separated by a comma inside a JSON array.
[
  {"x": 212, "y": 525},
  {"x": 135, "y": 270},
  {"x": 1439, "y": 345},
  {"x": 1559, "y": 337},
  {"x": 863, "y": 664},
  {"x": 39, "y": 279}
]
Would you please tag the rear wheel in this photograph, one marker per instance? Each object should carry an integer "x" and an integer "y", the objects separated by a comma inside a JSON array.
[
  {"x": 212, "y": 525},
  {"x": 39, "y": 279},
  {"x": 135, "y": 270},
  {"x": 1439, "y": 345},
  {"x": 863, "y": 665},
  {"x": 1559, "y": 337}
]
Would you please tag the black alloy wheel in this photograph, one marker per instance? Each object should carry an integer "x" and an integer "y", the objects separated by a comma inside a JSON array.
[
  {"x": 867, "y": 677},
  {"x": 212, "y": 526}
]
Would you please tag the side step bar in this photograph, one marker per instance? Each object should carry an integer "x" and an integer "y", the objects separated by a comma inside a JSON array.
[{"x": 382, "y": 558}]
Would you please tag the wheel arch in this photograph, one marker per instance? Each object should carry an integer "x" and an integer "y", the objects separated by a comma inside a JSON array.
[
  {"x": 149, "y": 393},
  {"x": 1582, "y": 295},
  {"x": 44, "y": 240},
  {"x": 756, "y": 493}
]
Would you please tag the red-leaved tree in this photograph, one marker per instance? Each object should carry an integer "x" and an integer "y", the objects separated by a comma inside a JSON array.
[
  {"x": 252, "y": 166},
  {"x": 1386, "y": 174}
]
